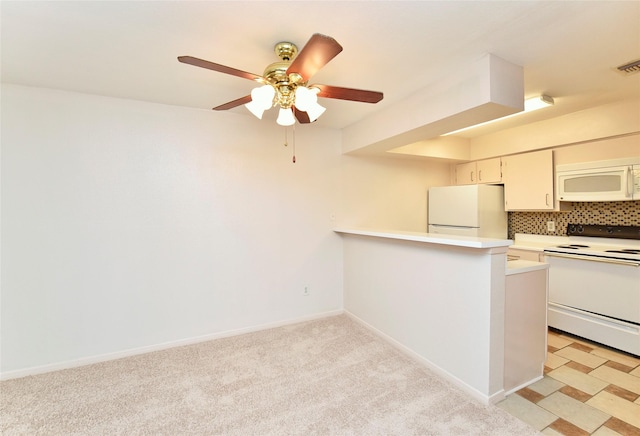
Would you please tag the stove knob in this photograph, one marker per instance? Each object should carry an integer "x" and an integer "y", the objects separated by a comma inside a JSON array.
[
  {"x": 580, "y": 228},
  {"x": 572, "y": 229},
  {"x": 609, "y": 230}
]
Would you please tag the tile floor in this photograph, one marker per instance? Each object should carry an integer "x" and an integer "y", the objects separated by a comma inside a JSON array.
[{"x": 587, "y": 389}]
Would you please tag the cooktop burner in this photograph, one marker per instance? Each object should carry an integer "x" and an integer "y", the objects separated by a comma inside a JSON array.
[{"x": 615, "y": 242}]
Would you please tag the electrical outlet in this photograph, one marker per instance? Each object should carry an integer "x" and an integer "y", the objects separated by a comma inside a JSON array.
[
  {"x": 305, "y": 291},
  {"x": 551, "y": 226}
]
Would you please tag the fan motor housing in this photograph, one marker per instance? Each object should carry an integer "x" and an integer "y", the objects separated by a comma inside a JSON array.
[{"x": 276, "y": 74}]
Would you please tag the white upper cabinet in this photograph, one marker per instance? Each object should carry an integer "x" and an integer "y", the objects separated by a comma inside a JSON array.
[
  {"x": 482, "y": 171},
  {"x": 528, "y": 181},
  {"x": 489, "y": 170},
  {"x": 466, "y": 174}
]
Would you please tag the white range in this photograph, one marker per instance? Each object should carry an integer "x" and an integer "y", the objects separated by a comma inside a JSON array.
[{"x": 594, "y": 283}]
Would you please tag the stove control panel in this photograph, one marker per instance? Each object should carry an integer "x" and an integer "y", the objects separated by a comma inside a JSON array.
[{"x": 594, "y": 230}]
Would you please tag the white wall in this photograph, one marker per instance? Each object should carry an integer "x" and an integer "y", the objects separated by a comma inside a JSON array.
[
  {"x": 128, "y": 225},
  {"x": 388, "y": 193}
]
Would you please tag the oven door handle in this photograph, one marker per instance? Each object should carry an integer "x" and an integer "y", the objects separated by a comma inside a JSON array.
[{"x": 633, "y": 263}]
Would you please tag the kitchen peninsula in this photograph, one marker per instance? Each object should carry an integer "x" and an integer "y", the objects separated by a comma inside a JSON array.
[{"x": 441, "y": 298}]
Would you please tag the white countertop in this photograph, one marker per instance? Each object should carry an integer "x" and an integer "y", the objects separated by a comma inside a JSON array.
[
  {"x": 523, "y": 266},
  {"x": 431, "y": 238},
  {"x": 523, "y": 241}
]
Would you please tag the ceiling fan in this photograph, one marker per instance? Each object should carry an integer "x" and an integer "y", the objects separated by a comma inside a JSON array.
[{"x": 285, "y": 83}]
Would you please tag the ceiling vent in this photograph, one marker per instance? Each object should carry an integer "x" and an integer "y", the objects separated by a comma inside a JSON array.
[{"x": 629, "y": 68}]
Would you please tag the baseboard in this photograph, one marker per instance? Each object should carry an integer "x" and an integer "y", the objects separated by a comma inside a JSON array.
[
  {"x": 492, "y": 399},
  {"x": 523, "y": 385},
  {"x": 158, "y": 347}
]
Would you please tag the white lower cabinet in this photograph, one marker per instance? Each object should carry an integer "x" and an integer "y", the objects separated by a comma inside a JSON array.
[
  {"x": 525, "y": 326},
  {"x": 520, "y": 254}
]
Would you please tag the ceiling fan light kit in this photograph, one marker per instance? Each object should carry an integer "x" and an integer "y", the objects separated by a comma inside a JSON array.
[{"x": 285, "y": 83}]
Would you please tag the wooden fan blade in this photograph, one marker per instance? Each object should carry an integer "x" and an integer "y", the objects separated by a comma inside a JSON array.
[
  {"x": 219, "y": 68},
  {"x": 301, "y": 116},
  {"x": 243, "y": 100},
  {"x": 361, "y": 95},
  {"x": 316, "y": 53}
]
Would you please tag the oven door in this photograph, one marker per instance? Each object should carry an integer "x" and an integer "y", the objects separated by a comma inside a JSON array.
[{"x": 607, "y": 287}]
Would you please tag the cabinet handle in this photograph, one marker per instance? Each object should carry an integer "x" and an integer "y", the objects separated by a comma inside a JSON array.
[
  {"x": 480, "y": 175},
  {"x": 546, "y": 199},
  {"x": 471, "y": 174}
]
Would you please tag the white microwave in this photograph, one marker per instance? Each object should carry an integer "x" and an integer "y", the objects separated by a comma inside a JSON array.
[{"x": 610, "y": 180}]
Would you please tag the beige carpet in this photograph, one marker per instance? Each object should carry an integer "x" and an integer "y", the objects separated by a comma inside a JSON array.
[{"x": 324, "y": 377}]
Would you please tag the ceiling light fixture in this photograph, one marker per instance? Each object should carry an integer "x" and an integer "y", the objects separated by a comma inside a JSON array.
[
  {"x": 535, "y": 103},
  {"x": 289, "y": 91},
  {"x": 285, "y": 83},
  {"x": 288, "y": 95},
  {"x": 530, "y": 104}
]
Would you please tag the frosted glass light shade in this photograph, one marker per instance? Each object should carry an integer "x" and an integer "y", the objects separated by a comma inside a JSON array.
[
  {"x": 255, "y": 108},
  {"x": 261, "y": 100},
  {"x": 305, "y": 98},
  {"x": 263, "y": 95},
  {"x": 307, "y": 101},
  {"x": 315, "y": 111},
  {"x": 285, "y": 117}
]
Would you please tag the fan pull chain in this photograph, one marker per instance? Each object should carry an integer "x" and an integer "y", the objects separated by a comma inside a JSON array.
[
  {"x": 293, "y": 137},
  {"x": 294, "y": 143}
]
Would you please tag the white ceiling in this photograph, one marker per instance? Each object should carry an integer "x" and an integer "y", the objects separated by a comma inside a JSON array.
[{"x": 128, "y": 49}]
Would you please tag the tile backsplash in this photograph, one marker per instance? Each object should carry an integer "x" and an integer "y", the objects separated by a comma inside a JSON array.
[{"x": 615, "y": 213}]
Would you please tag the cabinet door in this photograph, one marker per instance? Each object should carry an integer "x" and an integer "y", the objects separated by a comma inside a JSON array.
[
  {"x": 525, "y": 328},
  {"x": 466, "y": 174},
  {"x": 515, "y": 253},
  {"x": 528, "y": 181},
  {"x": 489, "y": 170}
]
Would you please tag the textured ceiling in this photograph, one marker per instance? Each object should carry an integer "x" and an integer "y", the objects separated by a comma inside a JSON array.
[{"x": 127, "y": 49}]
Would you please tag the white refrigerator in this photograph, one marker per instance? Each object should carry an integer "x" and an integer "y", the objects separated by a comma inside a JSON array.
[{"x": 467, "y": 210}]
